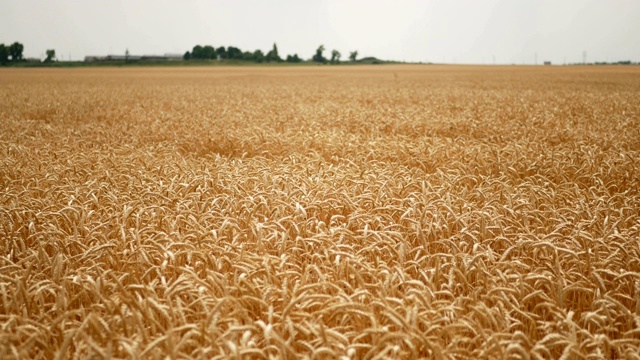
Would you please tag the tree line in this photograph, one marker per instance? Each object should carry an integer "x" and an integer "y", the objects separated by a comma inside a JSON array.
[
  {"x": 13, "y": 54},
  {"x": 208, "y": 52}
]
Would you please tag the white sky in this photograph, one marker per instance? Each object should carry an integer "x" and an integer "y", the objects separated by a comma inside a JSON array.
[{"x": 461, "y": 31}]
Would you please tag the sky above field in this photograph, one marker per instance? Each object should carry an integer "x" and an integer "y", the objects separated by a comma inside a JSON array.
[{"x": 452, "y": 31}]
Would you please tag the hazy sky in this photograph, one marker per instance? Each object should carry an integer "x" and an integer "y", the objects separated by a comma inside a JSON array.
[{"x": 461, "y": 31}]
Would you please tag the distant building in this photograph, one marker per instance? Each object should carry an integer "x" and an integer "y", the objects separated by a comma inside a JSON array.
[
  {"x": 547, "y": 62},
  {"x": 123, "y": 58},
  {"x": 174, "y": 57},
  {"x": 153, "y": 58}
]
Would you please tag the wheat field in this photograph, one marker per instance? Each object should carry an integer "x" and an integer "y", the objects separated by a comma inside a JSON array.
[{"x": 445, "y": 212}]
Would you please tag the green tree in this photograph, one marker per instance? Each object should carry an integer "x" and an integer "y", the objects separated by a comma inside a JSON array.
[
  {"x": 234, "y": 53},
  {"x": 353, "y": 56},
  {"x": 335, "y": 56},
  {"x": 318, "y": 57},
  {"x": 208, "y": 52},
  {"x": 4, "y": 54},
  {"x": 51, "y": 55},
  {"x": 197, "y": 52},
  {"x": 186, "y": 56},
  {"x": 273, "y": 54},
  {"x": 293, "y": 59},
  {"x": 258, "y": 56},
  {"x": 15, "y": 50},
  {"x": 221, "y": 52},
  {"x": 248, "y": 56}
]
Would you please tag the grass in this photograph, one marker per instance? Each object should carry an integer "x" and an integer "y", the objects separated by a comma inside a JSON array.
[{"x": 333, "y": 212}]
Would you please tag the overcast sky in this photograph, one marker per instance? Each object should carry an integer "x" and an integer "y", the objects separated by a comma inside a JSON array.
[{"x": 461, "y": 31}]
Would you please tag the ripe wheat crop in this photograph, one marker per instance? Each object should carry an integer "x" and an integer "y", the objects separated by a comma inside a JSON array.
[{"x": 320, "y": 212}]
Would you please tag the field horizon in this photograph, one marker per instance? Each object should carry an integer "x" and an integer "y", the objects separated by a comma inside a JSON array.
[{"x": 383, "y": 211}]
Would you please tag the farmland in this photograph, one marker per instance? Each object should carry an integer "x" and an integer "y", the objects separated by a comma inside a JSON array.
[{"x": 320, "y": 212}]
